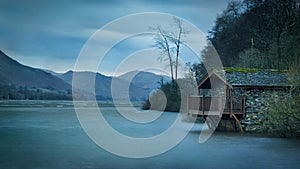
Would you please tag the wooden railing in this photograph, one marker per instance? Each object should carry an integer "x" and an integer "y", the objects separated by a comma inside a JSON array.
[
  {"x": 237, "y": 103},
  {"x": 202, "y": 105}
]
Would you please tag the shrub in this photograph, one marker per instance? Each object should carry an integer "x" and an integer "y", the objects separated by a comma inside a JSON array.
[
  {"x": 282, "y": 116},
  {"x": 283, "y": 111},
  {"x": 170, "y": 102}
]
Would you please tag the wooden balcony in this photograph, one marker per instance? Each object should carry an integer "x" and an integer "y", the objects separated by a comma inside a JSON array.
[{"x": 218, "y": 106}]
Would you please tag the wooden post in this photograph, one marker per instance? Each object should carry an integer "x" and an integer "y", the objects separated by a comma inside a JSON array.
[
  {"x": 202, "y": 104},
  {"x": 188, "y": 105},
  {"x": 230, "y": 106},
  {"x": 220, "y": 106},
  {"x": 244, "y": 105},
  {"x": 238, "y": 122}
]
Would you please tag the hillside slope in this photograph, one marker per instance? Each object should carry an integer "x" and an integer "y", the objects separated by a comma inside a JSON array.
[{"x": 16, "y": 74}]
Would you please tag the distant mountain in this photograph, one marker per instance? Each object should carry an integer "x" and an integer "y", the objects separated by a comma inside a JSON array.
[
  {"x": 52, "y": 72},
  {"x": 16, "y": 74},
  {"x": 145, "y": 80},
  {"x": 102, "y": 82},
  {"x": 140, "y": 84},
  {"x": 143, "y": 83},
  {"x": 18, "y": 81}
]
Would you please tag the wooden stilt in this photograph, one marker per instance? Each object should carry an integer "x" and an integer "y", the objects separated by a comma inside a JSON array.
[{"x": 238, "y": 122}]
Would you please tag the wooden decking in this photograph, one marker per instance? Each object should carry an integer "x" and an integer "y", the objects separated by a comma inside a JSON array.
[
  {"x": 227, "y": 108},
  {"x": 215, "y": 113}
]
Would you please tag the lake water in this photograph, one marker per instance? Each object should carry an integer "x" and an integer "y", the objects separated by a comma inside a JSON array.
[{"x": 37, "y": 134}]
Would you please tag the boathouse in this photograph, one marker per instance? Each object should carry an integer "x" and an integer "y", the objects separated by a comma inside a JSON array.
[{"x": 232, "y": 95}]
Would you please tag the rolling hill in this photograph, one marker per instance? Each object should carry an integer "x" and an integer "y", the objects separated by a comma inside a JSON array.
[
  {"x": 140, "y": 84},
  {"x": 16, "y": 74},
  {"x": 18, "y": 81}
]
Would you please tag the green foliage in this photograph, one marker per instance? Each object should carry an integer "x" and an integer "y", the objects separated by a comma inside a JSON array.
[
  {"x": 253, "y": 58},
  {"x": 172, "y": 95},
  {"x": 24, "y": 93},
  {"x": 283, "y": 111},
  {"x": 209, "y": 57},
  {"x": 294, "y": 77},
  {"x": 257, "y": 34},
  {"x": 252, "y": 36},
  {"x": 198, "y": 70},
  {"x": 283, "y": 116},
  {"x": 169, "y": 96},
  {"x": 243, "y": 70},
  {"x": 251, "y": 70}
]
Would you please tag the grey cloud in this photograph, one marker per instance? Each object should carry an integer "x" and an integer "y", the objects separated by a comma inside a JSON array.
[{"x": 58, "y": 29}]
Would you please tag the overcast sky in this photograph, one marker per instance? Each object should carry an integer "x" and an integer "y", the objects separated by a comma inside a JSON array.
[{"x": 51, "y": 34}]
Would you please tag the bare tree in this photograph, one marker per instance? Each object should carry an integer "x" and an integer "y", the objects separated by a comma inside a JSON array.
[
  {"x": 162, "y": 43},
  {"x": 168, "y": 42},
  {"x": 177, "y": 42}
]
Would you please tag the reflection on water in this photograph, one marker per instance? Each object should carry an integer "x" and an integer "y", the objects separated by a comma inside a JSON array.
[{"x": 47, "y": 134}]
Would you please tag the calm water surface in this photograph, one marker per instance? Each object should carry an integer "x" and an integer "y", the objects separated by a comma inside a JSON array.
[{"x": 48, "y": 135}]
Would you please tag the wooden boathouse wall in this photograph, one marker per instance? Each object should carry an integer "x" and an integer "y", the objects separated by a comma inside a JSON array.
[{"x": 213, "y": 100}]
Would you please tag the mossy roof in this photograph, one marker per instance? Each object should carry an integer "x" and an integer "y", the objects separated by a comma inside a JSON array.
[{"x": 244, "y": 77}]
